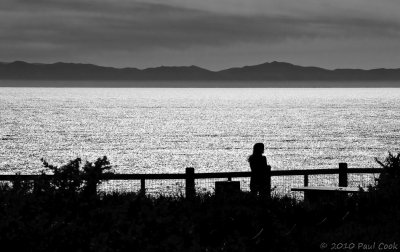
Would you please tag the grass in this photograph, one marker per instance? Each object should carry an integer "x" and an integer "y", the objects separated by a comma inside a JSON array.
[
  {"x": 64, "y": 215},
  {"x": 121, "y": 222}
]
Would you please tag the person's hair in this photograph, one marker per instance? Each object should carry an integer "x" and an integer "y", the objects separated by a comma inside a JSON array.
[{"x": 258, "y": 150}]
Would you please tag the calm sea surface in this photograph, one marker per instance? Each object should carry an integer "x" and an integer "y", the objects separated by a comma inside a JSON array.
[{"x": 165, "y": 130}]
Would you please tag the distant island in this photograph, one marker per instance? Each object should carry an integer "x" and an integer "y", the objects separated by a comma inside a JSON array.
[{"x": 273, "y": 74}]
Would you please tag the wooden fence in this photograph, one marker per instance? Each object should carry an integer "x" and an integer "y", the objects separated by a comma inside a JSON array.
[{"x": 190, "y": 176}]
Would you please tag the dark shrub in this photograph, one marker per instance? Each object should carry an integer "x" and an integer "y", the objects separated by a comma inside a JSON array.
[
  {"x": 92, "y": 173},
  {"x": 71, "y": 180},
  {"x": 67, "y": 179},
  {"x": 388, "y": 185}
]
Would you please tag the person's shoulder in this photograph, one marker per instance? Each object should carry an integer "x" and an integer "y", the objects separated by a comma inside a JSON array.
[{"x": 264, "y": 159}]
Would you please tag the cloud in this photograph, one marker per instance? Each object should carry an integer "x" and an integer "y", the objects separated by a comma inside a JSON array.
[{"x": 67, "y": 27}]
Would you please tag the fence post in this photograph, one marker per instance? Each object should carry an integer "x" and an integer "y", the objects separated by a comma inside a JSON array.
[
  {"x": 190, "y": 190},
  {"x": 343, "y": 174},
  {"x": 305, "y": 180},
  {"x": 143, "y": 186},
  {"x": 268, "y": 181}
]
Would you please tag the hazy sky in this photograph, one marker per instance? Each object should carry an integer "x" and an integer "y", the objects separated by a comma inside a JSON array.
[{"x": 214, "y": 34}]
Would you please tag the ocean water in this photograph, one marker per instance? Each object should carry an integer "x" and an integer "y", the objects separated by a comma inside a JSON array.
[{"x": 144, "y": 130}]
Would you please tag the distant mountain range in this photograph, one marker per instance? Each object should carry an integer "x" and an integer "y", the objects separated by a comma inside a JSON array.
[{"x": 264, "y": 75}]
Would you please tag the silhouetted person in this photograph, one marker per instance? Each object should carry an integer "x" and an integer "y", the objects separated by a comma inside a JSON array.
[{"x": 259, "y": 171}]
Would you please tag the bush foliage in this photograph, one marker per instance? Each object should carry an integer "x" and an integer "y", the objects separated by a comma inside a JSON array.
[
  {"x": 65, "y": 213},
  {"x": 389, "y": 180}
]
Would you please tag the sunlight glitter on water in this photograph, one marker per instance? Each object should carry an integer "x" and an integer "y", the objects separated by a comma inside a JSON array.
[{"x": 166, "y": 130}]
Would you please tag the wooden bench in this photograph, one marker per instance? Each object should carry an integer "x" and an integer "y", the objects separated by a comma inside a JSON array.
[{"x": 315, "y": 196}]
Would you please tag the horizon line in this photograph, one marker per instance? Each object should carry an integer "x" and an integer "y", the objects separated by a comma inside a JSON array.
[{"x": 215, "y": 71}]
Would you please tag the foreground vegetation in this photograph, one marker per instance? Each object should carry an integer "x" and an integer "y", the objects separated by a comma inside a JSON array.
[{"x": 66, "y": 213}]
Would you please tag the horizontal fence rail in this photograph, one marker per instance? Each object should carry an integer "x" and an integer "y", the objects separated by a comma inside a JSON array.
[
  {"x": 138, "y": 176},
  {"x": 190, "y": 176}
]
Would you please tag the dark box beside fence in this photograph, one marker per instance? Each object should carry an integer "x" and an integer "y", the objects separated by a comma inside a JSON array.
[{"x": 226, "y": 188}]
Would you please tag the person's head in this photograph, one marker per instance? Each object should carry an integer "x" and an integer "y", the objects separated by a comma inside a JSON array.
[{"x": 258, "y": 149}]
